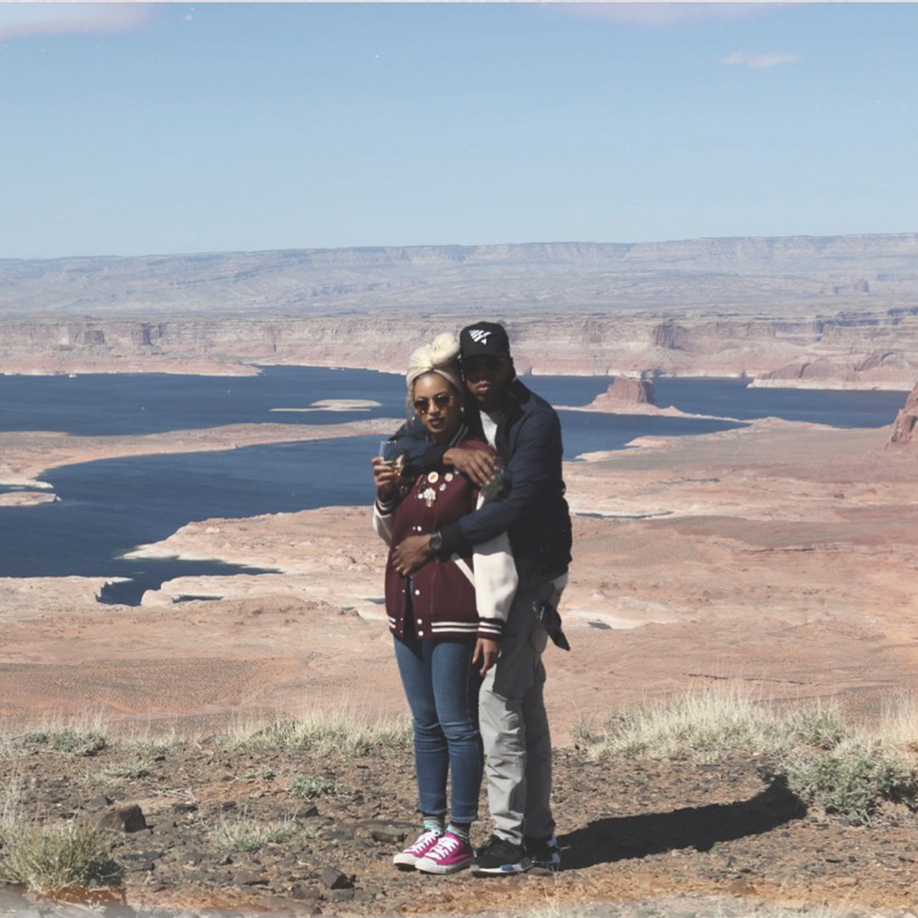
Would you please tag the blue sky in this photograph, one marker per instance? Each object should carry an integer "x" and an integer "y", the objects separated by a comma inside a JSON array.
[{"x": 130, "y": 129}]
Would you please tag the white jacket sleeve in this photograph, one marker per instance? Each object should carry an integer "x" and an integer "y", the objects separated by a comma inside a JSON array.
[
  {"x": 382, "y": 522},
  {"x": 496, "y": 581}
]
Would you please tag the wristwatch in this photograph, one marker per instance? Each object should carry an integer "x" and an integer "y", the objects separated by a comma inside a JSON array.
[{"x": 436, "y": 543}]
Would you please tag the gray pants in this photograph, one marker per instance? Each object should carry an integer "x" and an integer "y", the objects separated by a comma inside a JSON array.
[{"x": 514, "y": 725}]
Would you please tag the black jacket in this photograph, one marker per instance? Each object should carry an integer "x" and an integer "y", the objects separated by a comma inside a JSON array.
[{"x": 532, "y": 509}]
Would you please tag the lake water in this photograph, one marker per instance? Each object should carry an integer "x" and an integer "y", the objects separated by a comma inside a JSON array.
[
  {"x": 108, "y": 507},
  {"x": 94, "y": 405}
]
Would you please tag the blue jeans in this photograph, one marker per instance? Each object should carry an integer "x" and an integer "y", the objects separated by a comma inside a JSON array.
[{"x": 442, "y": 689}]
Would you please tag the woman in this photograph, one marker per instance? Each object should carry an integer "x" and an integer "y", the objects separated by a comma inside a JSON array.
[{"x": 446, "y": 619}]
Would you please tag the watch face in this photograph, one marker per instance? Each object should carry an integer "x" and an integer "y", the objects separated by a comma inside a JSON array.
[{"x": 436, "y": 541}]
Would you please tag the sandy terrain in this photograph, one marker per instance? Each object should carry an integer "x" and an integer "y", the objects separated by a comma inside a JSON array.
[{"x": 781, "y": 555}]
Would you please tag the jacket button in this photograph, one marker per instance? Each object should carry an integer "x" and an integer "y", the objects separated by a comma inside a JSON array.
[{"x": 417, "y": 592}]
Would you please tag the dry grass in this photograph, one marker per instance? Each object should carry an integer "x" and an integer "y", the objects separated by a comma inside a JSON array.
[
  {"x": 322, "y": 732},
  {"x": 247, "y": 834},
  {"x": 825, "y": 760},
  {"x": 899, "y": 723},
  {"x": 706, "y": 725},
  {"x": 55, "y": 857},
  {"x": 85, "y": 734},
  {"x": 844, "y": 768},
  {"x": 51, "y": 857}
]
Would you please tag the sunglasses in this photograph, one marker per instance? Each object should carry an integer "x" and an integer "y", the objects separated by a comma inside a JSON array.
[
  {"x": 482, "y": 363},
  {"x": 441, "y": 400}
]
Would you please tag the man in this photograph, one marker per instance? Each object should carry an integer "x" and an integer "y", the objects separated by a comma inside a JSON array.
[{"x": 526, "y": 433}]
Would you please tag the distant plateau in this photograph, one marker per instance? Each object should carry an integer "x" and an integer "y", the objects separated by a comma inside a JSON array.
[{"x": 805, "y": 311}]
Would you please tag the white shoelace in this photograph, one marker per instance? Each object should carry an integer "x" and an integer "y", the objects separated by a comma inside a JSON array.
[
  {"x": 446, "y": 846},
  {"x": 423, "y": 841}
]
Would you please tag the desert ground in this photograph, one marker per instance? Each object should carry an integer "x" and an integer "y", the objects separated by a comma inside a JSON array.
[{"x": 780, "y": 557}]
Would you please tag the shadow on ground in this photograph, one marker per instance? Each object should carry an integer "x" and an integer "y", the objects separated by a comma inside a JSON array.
[{"x": 620, "y": 838}]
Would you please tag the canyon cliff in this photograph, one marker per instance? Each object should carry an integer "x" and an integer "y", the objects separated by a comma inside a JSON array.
[
  {"x": 903, "y": 432},
  {"x": 791, "y": 311}
]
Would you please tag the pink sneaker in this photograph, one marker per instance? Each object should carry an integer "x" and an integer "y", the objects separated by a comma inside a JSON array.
[
  {"x": 410, "y": 856},
  {"x": 448, "y": 855}
]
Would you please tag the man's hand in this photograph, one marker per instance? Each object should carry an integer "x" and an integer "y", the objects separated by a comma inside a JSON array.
[
  {"x": 478, "y": 464},
  {"x": 487, "y": 651},
  {"x": 411, "y": 553}
]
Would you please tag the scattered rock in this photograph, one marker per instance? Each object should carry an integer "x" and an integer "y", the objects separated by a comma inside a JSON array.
[
  {"x": 333, "y": 878},
  {"x": 141, "y": 860},
  {"x": 390, "y": 835},
  {"x": 251, "y": 879},
  {"x": 99, "y": 803},
  {"x": 125, "y": 819},
  {"x": 184, "y": 808}
]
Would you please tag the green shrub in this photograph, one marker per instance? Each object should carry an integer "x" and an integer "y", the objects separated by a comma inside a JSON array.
[
  {"x": 817, "y": 726},
  {"x": 78, "y": 742},
  {"x": 305, "y": 786},
  {"x": 251, "y": 835},
  {"x": 852, "y": 779},
  {"x": 131, "y": 770},
  {"x": 35, "y": 737},
  {"x": 264, "y": 772}
]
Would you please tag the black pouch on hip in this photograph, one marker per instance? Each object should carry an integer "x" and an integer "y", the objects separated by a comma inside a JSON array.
[{"x": 551, "y": 622}]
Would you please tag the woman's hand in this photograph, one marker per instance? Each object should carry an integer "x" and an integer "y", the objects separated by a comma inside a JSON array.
[
  {"x": 487, "y": 651},
  {"x": 385, "y": 477}
]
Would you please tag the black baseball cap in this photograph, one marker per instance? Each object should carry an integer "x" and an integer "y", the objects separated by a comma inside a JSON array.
[{"x": 484, "y": 339}]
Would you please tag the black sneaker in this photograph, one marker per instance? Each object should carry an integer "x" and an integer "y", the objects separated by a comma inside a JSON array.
[
  {"x": 500, "y": 858},
  {"x": 544, "y": 852}
]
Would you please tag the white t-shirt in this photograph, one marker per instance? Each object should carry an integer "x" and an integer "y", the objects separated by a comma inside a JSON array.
[{"x": 489, "y": 425}]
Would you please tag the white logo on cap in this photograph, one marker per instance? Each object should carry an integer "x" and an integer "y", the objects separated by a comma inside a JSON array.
[{"x": 479, "y": 335}]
